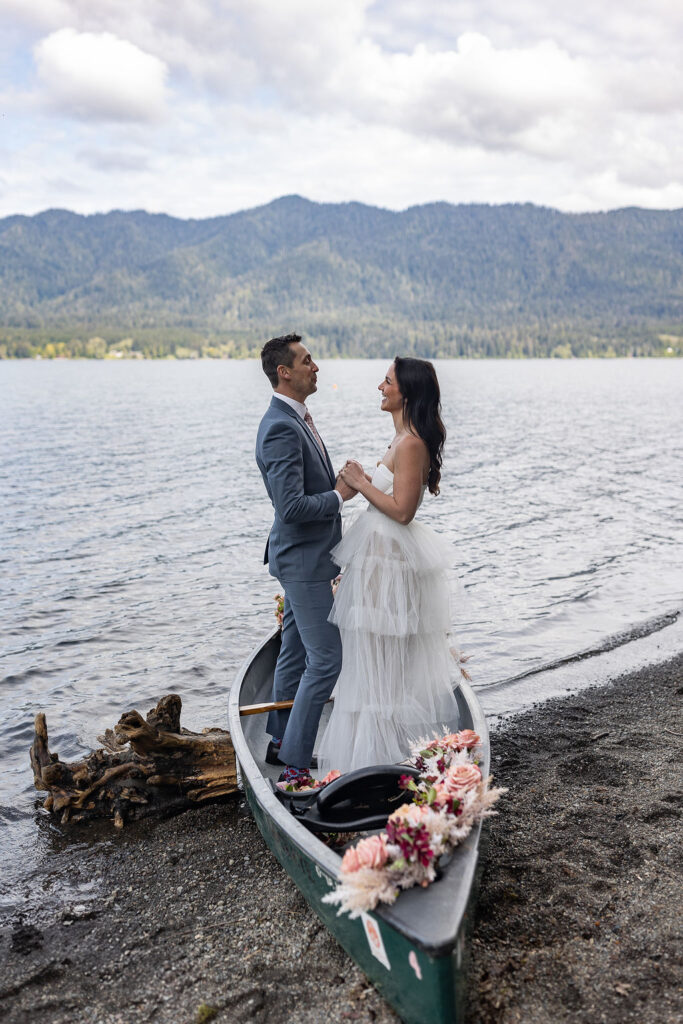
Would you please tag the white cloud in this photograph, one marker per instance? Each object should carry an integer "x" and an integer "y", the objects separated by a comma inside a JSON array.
[
  {"x": 473, "y": 94},
  {"x": 41, "y": 13},
  {"x": 99, "y": 76},
  {"x": 392, "y": 102}
]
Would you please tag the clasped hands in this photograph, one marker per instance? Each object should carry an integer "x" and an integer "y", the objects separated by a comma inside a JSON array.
[{"x": 350, "y": 478}]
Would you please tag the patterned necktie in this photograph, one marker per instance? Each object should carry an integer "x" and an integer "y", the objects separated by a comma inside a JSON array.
[{"x": 308, "y": 420}]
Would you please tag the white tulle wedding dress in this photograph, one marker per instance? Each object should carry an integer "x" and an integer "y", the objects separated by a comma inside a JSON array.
[{"x": 392, "y": 608}]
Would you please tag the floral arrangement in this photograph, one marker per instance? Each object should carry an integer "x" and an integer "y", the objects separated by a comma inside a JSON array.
[
  {"x": 449, "y": 797},
  {"x": 309, "y": 785}
]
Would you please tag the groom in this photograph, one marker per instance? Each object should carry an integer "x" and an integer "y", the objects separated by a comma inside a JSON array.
[{"x": 307, "y": 500}]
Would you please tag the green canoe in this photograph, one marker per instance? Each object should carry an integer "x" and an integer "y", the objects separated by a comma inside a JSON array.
[{"x": 414, "y": 952}]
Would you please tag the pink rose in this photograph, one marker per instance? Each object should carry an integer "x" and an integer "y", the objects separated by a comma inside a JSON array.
[
  {"x": 463, "y": 740},
  {"x": 415, "y": 814},
  {"x": 460, "y": 778},
  {"x": 330, "y": 777},
  {"x": 468, "y": 738},
  {"x": 368, "y": 853},
  {"x": 451, "y": 740}
]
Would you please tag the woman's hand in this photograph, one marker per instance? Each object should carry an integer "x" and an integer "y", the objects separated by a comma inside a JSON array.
[{"x": 353, "y": 474}]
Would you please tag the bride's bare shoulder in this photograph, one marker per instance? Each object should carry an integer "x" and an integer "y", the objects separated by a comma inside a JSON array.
[
  {"x": 412, "y": 456},
  {"x": 411, "y": 447}
]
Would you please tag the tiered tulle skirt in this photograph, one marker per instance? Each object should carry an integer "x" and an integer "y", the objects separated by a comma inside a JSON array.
[{"x": 392, "y": 608}]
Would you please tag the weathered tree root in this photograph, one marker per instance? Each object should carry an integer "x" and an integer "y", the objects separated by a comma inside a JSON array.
[{"x": 147, "y": 767}]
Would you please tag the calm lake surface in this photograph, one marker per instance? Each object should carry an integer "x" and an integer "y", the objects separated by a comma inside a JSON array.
[{"x": 134, "y": 521}]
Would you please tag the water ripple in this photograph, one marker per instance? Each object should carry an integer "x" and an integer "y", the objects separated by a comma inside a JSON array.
[{"x": 134, "y": 522}]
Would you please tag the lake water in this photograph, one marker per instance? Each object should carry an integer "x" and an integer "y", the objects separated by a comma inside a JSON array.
[{"x": 133, "y": 522}]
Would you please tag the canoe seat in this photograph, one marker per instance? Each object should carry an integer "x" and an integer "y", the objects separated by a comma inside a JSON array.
[{"x": 359, "y": 801}]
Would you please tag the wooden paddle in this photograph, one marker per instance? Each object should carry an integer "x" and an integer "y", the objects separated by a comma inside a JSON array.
[{"x": 277, "y": 705}]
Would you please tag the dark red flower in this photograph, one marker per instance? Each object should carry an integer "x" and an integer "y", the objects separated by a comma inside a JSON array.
[{"x": 413, "y": 841}]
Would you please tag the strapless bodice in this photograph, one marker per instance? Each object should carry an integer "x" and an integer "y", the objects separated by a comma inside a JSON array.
[{"x": 383, "y": 480}]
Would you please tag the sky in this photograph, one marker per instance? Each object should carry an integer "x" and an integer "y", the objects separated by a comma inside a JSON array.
[{"x": 203, "y": 107}]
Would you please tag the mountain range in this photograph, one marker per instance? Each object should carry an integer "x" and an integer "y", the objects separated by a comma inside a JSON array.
[{"x": 436, "y": 280}]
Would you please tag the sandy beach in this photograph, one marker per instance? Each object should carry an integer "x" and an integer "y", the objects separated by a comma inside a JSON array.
[{"x": 192, "y": 919}]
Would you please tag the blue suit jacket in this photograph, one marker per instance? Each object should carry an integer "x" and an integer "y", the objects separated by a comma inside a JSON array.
[{"x": 300, "y": 483}]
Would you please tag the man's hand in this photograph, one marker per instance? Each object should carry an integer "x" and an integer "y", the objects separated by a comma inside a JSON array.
[
  {"x": 353, "y": 474},
  {"x": 346, "y": 492}
]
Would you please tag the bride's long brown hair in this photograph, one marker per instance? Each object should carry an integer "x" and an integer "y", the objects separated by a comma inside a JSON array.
[{"x": 419, "y": 387}]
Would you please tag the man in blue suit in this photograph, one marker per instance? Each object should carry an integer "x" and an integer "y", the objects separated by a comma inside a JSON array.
[{"x": 307, "y": 500}]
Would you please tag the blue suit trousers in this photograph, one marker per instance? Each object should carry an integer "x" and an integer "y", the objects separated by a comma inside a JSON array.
[{"x": 307, "y": 668}]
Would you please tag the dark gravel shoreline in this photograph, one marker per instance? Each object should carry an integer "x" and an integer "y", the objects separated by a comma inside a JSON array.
[
  {"x": 580, "y": 904},
  {"x": 576, "y": 921}
]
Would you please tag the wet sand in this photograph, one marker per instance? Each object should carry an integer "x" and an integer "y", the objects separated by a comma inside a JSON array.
[{"x": 577, "y": 918}]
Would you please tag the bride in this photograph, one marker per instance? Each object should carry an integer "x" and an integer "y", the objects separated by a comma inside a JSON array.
[{"x": 392, "y": 603}]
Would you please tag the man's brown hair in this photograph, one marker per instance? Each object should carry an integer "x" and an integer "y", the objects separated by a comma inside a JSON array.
[{"x": 277, "y": 352}]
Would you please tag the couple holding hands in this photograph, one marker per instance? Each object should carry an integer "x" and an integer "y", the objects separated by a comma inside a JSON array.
[{"x": 382, "y": 638}]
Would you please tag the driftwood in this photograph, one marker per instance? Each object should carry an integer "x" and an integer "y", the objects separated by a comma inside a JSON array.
[{"x": 148, "y": 766}]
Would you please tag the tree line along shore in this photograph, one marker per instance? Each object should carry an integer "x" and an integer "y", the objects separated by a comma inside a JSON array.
[{"x": 112, "y": 344}]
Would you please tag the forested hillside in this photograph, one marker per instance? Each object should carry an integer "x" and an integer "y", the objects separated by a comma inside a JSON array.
[{"x": 436, "y": 280}]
